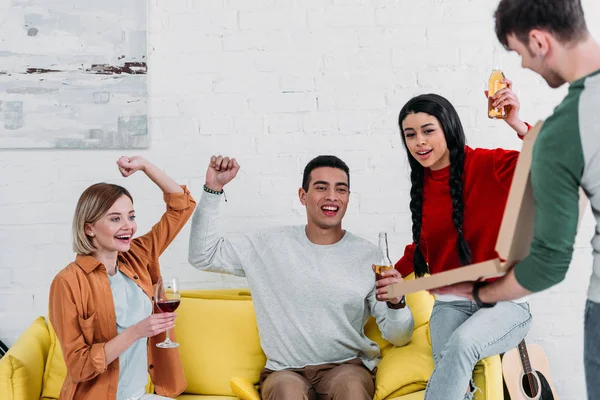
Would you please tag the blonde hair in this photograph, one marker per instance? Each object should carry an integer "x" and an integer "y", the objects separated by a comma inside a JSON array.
[{"x": 93, "y": 204}]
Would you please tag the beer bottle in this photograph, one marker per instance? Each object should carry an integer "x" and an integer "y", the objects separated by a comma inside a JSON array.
[
  {"x": 384, "y": 263},
  {"x": 494, "y": 85}
]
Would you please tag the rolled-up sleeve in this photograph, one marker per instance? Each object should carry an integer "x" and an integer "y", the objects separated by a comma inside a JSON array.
[
  {"x": 179, "y": 201},
  {"x": 396, "y": 326},
  {"x": 180, "y": 207}
]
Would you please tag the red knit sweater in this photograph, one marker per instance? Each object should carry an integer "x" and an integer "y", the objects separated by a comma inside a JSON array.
[{"x": 486, "y": 182}]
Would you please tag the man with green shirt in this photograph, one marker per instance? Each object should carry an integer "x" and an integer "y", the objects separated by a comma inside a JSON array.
[{"x": 552, "y": 39}]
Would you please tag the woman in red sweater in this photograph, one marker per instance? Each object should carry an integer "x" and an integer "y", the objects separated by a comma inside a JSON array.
[{"x": 458, "y": 196}]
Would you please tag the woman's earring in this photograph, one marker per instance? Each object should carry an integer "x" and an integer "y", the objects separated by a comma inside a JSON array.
[{"x": 92, "y": 234}]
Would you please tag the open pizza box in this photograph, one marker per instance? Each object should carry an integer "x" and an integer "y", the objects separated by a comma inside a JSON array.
[{"x": 514, "y": 238}]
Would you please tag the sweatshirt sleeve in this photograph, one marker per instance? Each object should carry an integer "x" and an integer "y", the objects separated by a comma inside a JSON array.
[
  {"x": 396, "y": 326},
  {"x": 208, "y": 251}
]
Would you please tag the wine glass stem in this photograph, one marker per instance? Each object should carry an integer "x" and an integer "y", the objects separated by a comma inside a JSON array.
[{"x": 168, "y": 339}]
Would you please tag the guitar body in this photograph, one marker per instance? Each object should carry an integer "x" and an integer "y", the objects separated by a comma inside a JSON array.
[{"x": 537, "y": 384}]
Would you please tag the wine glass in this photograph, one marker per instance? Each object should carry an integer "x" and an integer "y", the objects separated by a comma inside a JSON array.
[{"x": 168, "y": 296}]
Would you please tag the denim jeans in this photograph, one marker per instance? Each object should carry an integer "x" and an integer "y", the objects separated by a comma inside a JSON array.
[
  {"x": 591, "y": 349},
  {"x": 462, "y": 334}
]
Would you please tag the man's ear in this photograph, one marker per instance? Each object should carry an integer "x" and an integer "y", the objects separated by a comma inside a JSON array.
[
  {"x": 302, "y": 196},
  {"x": 539, "y": 43}
]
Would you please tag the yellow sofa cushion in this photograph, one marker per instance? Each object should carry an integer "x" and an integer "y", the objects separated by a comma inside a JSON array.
[
  {"x": 22, "y": 368},
  {"x": 218, "y": 340},
  {"x": 244, "y": 389},
  {"x": 421, "y": 305},
  {"x": 413, "y": 396},
  {"x": 13, "y": 378},
  {"x": 405, "y": 369},
  {"x": 55, "y": 370},
  {"x": 488, "y": 378}
]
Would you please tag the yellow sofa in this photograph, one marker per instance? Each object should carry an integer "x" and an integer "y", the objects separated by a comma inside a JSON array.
[{"x": 222, "y": 358}]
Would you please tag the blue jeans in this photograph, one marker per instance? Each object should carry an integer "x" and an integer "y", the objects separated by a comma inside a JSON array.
[
  {"x": 462, "y": 334},
  {"x": 591, "y": 349}
]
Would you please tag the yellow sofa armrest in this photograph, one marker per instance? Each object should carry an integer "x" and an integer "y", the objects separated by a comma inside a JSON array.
[
  {"x": 22, "y": 368},
  {"x": 13, "y": 379},
  {"x": 244, "y": 389},
  {"x": 488, "y": 378}
]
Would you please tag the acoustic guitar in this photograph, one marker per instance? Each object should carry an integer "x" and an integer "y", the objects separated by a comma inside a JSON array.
[{"x": 526, "y": 373}]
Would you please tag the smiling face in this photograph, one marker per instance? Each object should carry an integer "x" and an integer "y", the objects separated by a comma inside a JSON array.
[
  {"x": 327, "y": 197},
  {"x": 425, "y": 140},
  {"x": 114, "y": 230}
]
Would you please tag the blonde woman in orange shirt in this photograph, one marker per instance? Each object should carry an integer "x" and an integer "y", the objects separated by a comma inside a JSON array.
[{"x": 101, "y": 304}]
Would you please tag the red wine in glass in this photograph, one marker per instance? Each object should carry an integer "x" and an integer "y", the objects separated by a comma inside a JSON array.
[
  {"x": 168, "y": 305},
  {"x": 168, "y": 296}
]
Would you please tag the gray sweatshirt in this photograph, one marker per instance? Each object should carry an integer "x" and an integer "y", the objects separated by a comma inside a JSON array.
[{"x": 311, "y": 301}]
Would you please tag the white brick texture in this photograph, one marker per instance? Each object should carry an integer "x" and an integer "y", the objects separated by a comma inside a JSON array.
[{"x": 275, "y": 83}]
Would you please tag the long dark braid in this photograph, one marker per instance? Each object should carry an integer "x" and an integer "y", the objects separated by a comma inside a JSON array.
[
  {"x": 416, "y": 208},
  {"x": 449, "y": 120},
  {"x": 457, "y": 161}
]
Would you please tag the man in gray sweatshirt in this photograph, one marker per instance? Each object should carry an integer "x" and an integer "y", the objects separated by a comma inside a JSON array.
[{"x": 312, "y": 286}]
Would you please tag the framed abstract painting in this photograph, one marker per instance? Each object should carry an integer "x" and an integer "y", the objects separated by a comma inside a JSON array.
[{"x": 73, "y": 74}]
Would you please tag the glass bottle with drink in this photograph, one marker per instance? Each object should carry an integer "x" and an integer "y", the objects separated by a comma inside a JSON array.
[
  {"x": 384, "y": 263},
  {"x": 494, "y": 85}
]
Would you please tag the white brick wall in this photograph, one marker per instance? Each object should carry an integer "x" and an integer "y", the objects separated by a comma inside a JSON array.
[{"x": 275, "y": 83}]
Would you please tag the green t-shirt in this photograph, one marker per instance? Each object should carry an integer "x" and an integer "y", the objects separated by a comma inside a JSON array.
[{"x": 566, "y": 156}]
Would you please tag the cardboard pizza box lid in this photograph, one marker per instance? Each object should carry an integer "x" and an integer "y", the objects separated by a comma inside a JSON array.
[{"x": 516, "y": 229}]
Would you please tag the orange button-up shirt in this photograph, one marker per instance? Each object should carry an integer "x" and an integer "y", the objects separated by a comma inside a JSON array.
[{"x": 83, "y": 313}]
